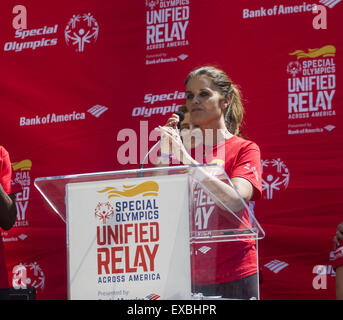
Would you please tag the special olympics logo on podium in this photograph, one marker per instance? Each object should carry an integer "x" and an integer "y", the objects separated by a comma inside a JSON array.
[
  {"x": 80, "y": 30},
  {"x": 275, "y": 177},
  {"x": 104, "y": 211}
]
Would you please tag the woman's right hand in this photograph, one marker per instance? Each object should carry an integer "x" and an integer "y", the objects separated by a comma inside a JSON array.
[{"x": 172, "y": 121}]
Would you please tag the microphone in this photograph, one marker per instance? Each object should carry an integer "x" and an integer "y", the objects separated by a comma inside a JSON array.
[{"x": 181, "y": 118}]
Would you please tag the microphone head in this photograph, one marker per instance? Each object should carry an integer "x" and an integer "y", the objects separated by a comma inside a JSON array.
[{"x": 181, "y": 117}]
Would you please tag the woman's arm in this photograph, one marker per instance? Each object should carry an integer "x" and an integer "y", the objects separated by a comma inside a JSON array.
[
  {"x": 339, "y": 283},
  {"x": 225, "y": 193},
  {"x": 8, "y": 210}
]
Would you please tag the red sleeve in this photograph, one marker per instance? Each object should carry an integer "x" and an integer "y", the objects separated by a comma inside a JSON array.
[
  {"x": 248, "y": 166},
  {"x": 5, "y": 170}
]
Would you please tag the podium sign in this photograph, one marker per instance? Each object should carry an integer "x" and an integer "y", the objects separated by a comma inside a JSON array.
[
  {"x": 152, "y": 233},
  {"x": 129, "y": 239}
]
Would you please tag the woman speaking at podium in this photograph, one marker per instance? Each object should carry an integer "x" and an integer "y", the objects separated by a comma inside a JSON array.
[{"x": 225, "y": 269}]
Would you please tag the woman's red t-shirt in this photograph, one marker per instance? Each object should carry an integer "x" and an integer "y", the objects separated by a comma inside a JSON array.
[{"x": 226, "y": 261}]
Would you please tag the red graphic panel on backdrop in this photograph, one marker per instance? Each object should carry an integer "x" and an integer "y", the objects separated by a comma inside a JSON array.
[{"x": 85, "y": 76}]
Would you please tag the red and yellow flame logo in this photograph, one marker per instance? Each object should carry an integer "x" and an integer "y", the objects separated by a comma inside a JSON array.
[
  {"x": 146, "y": 189},
  {"x": 325, "y": 51},
  {"x": 23, "y": 165}
]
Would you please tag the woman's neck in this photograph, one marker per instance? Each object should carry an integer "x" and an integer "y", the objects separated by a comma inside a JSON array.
[{"x": 215, "y": 134}]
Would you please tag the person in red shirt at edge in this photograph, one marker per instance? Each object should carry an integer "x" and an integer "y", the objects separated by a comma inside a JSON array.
[
  {"x": 8, "y": 214},
  {"x": 338, "y": 260},
  {"x": 226, "y": 269}
]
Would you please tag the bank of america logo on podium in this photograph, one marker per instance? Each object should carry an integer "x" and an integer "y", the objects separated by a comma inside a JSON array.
[
  {"x": 152, "y": 296},
  {"x": 97, "y": 110}
]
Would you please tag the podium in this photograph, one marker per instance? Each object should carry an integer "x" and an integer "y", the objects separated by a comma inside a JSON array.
[{"x": 162, "y": 233}]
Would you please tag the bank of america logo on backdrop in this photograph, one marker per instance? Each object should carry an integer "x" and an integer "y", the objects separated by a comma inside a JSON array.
[
  {"x": 81, "y": 30},
  {"x": 204, "y": 249},
  {"x": 330, "y": 3},
  {"x": 276, "y": 265},
  {"x": 97, "y": 110}
]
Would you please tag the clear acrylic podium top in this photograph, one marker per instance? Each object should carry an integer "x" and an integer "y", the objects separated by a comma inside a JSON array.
[{"x": 240, "y": 224}]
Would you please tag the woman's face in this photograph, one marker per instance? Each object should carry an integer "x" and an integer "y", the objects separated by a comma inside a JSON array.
[{"x": 204, "y": 102}]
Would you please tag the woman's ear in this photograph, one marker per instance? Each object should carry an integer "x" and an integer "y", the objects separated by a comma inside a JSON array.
[{"x": 225, "y": 104}]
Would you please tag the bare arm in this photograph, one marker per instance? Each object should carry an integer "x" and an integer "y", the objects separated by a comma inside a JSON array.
[
  {"x": 339, "y": 283},
  {"x": 223, "y": 191},
  {"x": 338, "y": 236},
  {"x": 8, "y": 210},
  {"x": 338, "y": 239}
]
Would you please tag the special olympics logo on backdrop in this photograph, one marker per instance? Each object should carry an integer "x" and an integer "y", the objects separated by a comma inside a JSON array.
[
  {"x": 151, "y": 3},
  {"x": 275, "y": 177},
  {"x": 31, "y": 274},
  {"x": 293, "y": 68},
  {"x": 80, "y": 30},
  {"x": 104, "y": 211}
]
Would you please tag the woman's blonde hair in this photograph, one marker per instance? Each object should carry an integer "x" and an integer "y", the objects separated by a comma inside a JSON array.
[{"x": 234, "y": 113}]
